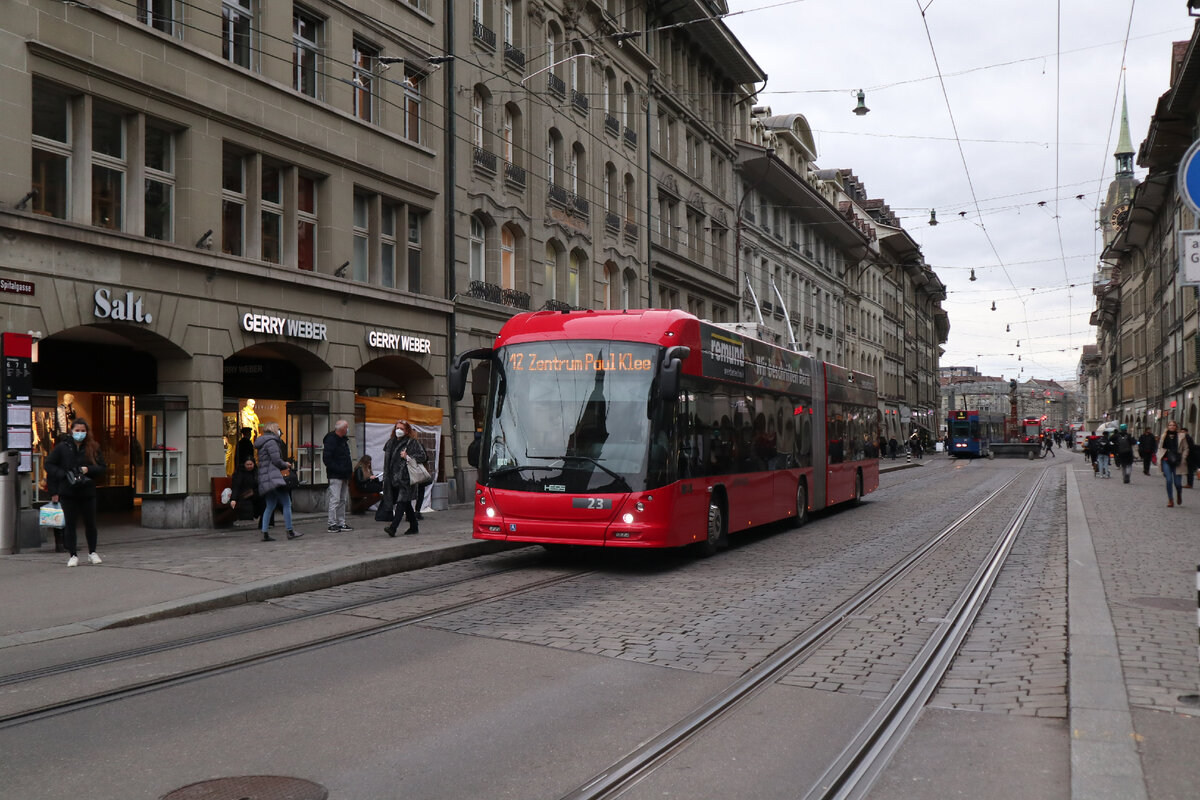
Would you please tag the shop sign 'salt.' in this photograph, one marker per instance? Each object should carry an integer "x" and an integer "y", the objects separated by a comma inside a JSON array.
[{"x": 126, "y": 309}]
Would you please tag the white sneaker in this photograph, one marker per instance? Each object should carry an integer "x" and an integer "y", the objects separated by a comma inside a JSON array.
[
  {"x": 95, "y": 559},
  {"x": 73, "y": 561}
]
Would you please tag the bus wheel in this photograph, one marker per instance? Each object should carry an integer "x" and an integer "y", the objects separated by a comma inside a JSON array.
[
  {"x": 716, "y": 539},
  {"x": 801, "y": 505}
]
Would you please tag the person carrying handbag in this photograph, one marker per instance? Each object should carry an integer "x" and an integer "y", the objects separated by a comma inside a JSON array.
[
  {"x": 71, "y": 473},
  {"x": 1172, "y": 457},
  {"x": 401, "y": 450},
  {"x": 272, "y": 484}
]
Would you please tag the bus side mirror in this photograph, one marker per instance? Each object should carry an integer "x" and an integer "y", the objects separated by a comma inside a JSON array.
[
  {"x": 668, "y": 371},
  {"x": 461, "y": 367}
]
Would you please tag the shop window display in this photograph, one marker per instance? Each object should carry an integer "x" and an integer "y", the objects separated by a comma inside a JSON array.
[
  {"x": 111, "y": 417},
  {"x": 307, "y": 424},
  {"x": 252, "y": 413},
  {"x": 160, "y": 445}
]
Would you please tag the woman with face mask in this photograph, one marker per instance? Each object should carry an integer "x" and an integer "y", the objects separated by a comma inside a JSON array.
[
  {"x": 71, "y": 474},
  {"x": 401, "y": 449}
]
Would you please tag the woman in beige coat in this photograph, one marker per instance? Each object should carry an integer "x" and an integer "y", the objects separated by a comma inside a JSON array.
[{"x": 1172, "y": 457}]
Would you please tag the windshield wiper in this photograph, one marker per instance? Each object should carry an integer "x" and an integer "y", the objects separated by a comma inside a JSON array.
[
  {"x": 591, "y": 460},
  {"x": 495, "y": 473}
]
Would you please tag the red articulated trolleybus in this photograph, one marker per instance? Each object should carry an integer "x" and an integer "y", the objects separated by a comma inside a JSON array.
[{"x": 651, "y": 428}]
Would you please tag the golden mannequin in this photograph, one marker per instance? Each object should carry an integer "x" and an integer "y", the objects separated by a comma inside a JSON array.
[{"x": 249, "y": 418}]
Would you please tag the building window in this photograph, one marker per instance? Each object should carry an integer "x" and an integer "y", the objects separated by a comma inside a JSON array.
[
  {"x": 508, "y": 135},
  {"x": 608, "y": 284},
  {"x": 627, "y": 290},
  {"x": 363, "y": 60},
  {"x": 508, "y": 259},
  {"x": 476, "y": 249},
  {"x": 51, "y": 151},
  {"x": 160, "y": 183},
  {"x": 306, "y": 39},
  {"x": 574, "y": 270},
  {"x": 236, "y": 17},
  {"x": 477, "y": 119},
  {"x": 360, "y": 251},
  {"x": 412, "y": 106},
  {"x": 233, "y": 204},
  {"x": 508, "y": 23},
  {"x": 108, "y": 167},
  {"x": 158, "y": 14},
  {"x": 415, "y": 222},
  {"x": 387, "y": 246},
  {"x": 306, "y": 223},
  {"x": 551, "y": 284},
  {"x": 271, "y": 213}
]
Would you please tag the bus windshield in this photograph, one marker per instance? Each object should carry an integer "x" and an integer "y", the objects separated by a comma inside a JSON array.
[{"x": 570, "y": 417}]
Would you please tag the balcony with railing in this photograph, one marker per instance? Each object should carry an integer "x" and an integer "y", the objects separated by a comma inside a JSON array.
[
  {"x": 484, "y": 161},
  {"x": 631, "y": 137},
  {"x": 558, "y": 196},
  {"x": 579, "y": 101},
  {"x": 612, "y": 222},
  {"x": 483, "y": 34},
  {"x": 514, "y": 55},
  {"x": 556, "y": 305},
  {"x": 491, "y": 293},
  {"x": 514, "y": 176},
  {"x": 580, "y": 206},
  {"x": 631, "y": 231},
  {"x": 612, "y": 125},
  {"x": 556, "y": 86}
]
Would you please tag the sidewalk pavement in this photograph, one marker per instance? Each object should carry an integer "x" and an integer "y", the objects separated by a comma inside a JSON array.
[{"x": 151, "y": 574}]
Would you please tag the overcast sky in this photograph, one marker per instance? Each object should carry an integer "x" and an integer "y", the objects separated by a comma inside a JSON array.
[{"x": 1031, "y": 89}]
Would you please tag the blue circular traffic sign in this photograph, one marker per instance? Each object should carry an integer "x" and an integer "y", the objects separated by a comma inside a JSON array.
[{"x": 1189, "y": 177}]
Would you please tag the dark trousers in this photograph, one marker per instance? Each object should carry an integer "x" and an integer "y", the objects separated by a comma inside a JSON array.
[
  {"x": 74, "y": 509},
  {"x": 420, "y": 499},
  {"x": 403, "y": 509},
  {"x": 1146, "y": 463}
]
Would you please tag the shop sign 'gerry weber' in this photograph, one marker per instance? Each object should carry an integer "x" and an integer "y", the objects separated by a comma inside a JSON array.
[
  {"x": 129, "y": 309},
  {"x": 383, "y": 340},
  {"x": 283, "y": 326}
]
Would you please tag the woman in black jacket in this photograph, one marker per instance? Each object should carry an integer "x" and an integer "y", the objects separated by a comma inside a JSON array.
[
  {"x": 398, "y": 487},
  {"x": 72, "y": 470}
]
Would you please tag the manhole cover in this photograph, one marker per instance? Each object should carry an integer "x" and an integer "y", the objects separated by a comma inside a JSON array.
[
  {"x": 1165, "y": 603},
  {"x": 251, "y": 787}
]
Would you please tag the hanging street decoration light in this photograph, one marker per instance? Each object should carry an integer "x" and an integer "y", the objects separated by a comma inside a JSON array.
[
  {"x": 972, "y": 273},
  {"x": 861, "y": 108},
  {"x": 933, "y": 216}
]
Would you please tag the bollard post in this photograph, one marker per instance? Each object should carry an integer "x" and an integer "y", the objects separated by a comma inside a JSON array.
[{"x": 1194, "y": 699}]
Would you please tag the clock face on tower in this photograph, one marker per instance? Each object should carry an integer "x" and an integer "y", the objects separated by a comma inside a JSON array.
[{"x": 1118, "y": 216}]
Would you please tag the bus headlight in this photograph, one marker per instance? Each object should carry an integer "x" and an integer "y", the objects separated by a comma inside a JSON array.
[
  {"x": 628, "y": 518},
  {"x": 640, "y": 506}
]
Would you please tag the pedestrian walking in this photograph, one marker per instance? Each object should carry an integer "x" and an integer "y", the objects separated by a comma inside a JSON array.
[
  {"x": 1048, "y": 445},
  {"x": 893, "y": 447},
  {"x": 1193, "y": 459},
  {"x": 1147, "y": 447},
  {"x": 272, "y": 483},
  {"x": 1123, "y": 445},
  {"x": 399, "y": 490},
  {"x": 71, "y": 473},
  {"x": 1103, "y": 452},
  {"x": 338, "y": 468},
  {"x": 1172, "y": 457}
]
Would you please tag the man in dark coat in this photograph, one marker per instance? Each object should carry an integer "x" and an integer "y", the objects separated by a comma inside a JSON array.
[
  {"x": 1147, "y": 447},
  {"x": 338, "y": 468}
]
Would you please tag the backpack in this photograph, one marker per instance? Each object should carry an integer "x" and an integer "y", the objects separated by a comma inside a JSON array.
[{"x": 1124, "y": 445}]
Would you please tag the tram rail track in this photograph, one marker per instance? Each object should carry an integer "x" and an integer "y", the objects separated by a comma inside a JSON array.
[
  {"x": 861, "y": 761},
  {"x": 17, "y": 718}
]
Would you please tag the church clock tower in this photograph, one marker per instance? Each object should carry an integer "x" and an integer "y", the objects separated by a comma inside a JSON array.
[{"x": 1115, "y": 209}]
